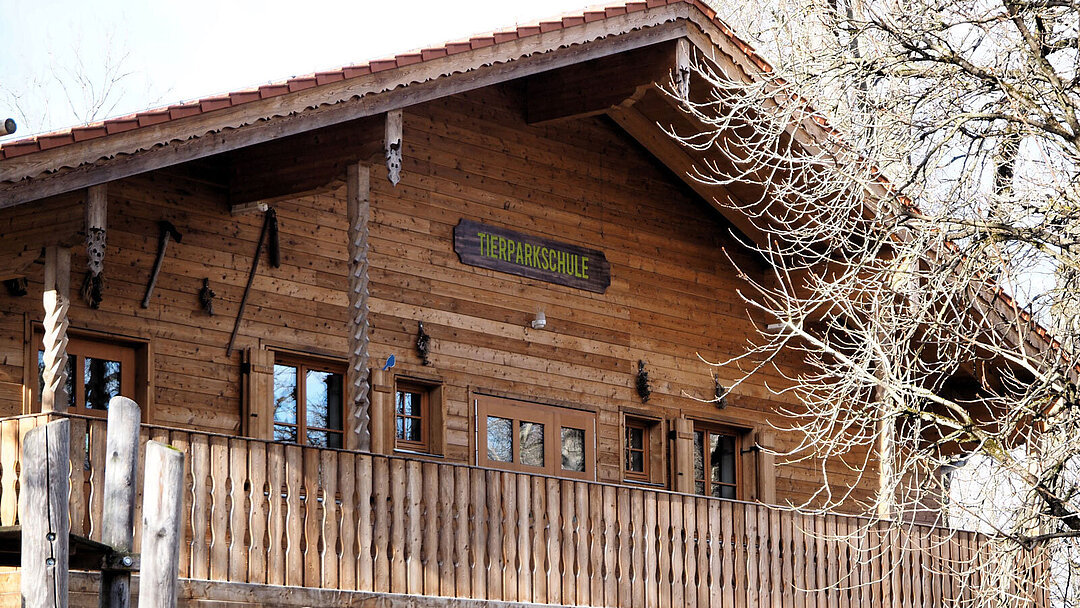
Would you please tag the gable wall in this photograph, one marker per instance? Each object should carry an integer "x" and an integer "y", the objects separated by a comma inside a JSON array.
[{"x": 672, "y": 297}]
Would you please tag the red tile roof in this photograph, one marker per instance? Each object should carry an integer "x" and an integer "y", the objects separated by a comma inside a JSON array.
[{"x": 175, "y": 112}]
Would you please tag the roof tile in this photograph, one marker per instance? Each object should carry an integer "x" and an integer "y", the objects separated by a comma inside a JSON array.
[
  {"x": 409, "y": 59},
  {"x": 322, "y": 78},
  {"x": 356, "y": 70},
  {"x": 505, "y": 36},
  {"x": 89, "y": 132},
  {"x": 454, "y": 48},
  {"x": 273, "y": 90},
  {"x": 299, "y": 84},
  {"x": 183, "y": 111},
  {"x": 633, "y": 7},
  {"x": 19, "y": 148},
  {"x": 52, "y": 141},
  {"x": 550, "y": 26},
  {"x": 382, "y": 65},
  {"x": 244, "y": 96},
  {"x": 528, "y": 30},
  {"x": 572, "y": 21},
  {"x": 215, "y": 103},
  {"x": 429, "y": 54},
  {"x": 147, "y": 119},
  {"x": 479, "y": 42},
  {"x": 591, "y": 16},
  {"x": 121, "y": 125}
]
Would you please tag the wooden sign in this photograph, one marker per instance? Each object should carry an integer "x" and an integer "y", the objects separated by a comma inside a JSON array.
[{"x": 531, "y": 256}]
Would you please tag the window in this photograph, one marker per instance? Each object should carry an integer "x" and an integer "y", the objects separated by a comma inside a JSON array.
[
  {"x": 412, "y": 416},
  {"x": 308, "y": 399},
  {"x": 535, "y": 438},
  {"x": 103, "y": 370},
  {"x": 716, "y": 461},
  {"x": 643, "y": 449}
]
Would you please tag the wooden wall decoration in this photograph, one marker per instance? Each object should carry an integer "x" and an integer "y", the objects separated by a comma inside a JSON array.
[{"x": 531, "y": 256}]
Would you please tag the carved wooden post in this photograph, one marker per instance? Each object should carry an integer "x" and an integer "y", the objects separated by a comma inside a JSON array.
[
  {"x": 54, "y": 398},
  {"x": 359, "y": 202},
  {"x": 96, "y": 215},
  {"x": 43, "y": 512},
  {"x": 163, "y": 497},
  {"x": 118, "y": 519},
  {"x": 393, "y": 146}
]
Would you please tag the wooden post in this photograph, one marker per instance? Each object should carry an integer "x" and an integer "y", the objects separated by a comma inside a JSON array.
[
  {"x": 96, "y": 216},
  {"x": 118, "y": 519},
  {"x": 43, "y": 512},
  {"x": 54, "y": 398},
  {"x": 394, "y": 121},
  {"x": 163, "y": 496},
  {"x": 359, "y": 209},
  {"x": 886, "y": 454}
]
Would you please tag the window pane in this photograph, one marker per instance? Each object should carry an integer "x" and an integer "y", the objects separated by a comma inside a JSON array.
[
  {"x": 70, "y": 379},
  {"x": 499, "y": 439},
  {"x": 408, "y": 404},
  {"x": 635, "y": 458},
  {"x": 573, "y": 449},
  {"x": 284, "y": 433},
  {"x": 636, "y": 462},
  {"x": 285, "y": 395},
  {"x": 101, "y": 379},
  {"x": 323, "y": 399},
  {"x": 722, "y": 448},
  {"x": 324, "y": 439},
  {"x": 532, "y": 443},
  {"x": 408, "y": 429},
  {"x": 726, "y": 492},
  {"x": 635, "y": 437}
]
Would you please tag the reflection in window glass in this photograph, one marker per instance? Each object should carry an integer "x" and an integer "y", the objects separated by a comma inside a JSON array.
[
  {"x": 101, "y": 378},
  {"x": 500, "y": 439},
  {"x": 284, "y": 401},
  {"x": 532, "y": 443},
  {"x": 635, "y": 449},
  {"x": 573, "y": 449},
  {"x": 323, "y": 400},
  {"x": 699, "y": 462},
  {"x": 409, "y": 416},
  {"x": 722, "y": 449}
]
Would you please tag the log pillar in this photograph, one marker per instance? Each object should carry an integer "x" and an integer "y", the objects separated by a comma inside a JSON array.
[
  {"x": 358, "y": 177},
  {"x": 54, "y": 397},
  {"x": 43, "y": 512}
]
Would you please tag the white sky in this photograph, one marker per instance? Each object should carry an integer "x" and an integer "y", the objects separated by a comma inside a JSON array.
[{"x": 185, "y": 49}]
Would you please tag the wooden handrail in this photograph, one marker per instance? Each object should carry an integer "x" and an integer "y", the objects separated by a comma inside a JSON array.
[{"x": 271, "y": 513}]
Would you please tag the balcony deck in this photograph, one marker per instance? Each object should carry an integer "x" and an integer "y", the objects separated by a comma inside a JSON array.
[{"x": 274, "y": 515}]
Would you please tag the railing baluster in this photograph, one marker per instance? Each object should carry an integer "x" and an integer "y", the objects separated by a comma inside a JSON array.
[
  {"x": 365, "y": 552},
  {"x": 294, "y": 516},
  {"x": 277, "y": 539},
  {"x": 329, "y": 560},
  {"x": 429, "y": 518},
  {"x": 257, "y": 515},
  {"x": 312, "y": 529},
  {"x": 347, "y": 521},
  {"x": 238, "y": 510}
]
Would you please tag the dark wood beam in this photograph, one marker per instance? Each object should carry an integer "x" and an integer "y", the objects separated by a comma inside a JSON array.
[{"x": 594, "y": 87}]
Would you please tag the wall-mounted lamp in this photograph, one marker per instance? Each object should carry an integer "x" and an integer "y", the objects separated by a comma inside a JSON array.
[{"x": 540, "y": 322}]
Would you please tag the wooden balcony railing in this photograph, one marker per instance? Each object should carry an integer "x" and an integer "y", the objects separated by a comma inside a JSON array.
[{"x": 270, "y": 513}]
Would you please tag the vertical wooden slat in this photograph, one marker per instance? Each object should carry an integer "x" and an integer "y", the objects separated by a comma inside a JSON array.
[
  {"x": 257, "y": 516},
  {"x": 97, "y": 480},
  {"x": 622, "y": 498},
  {"x": 663, "y": 534},
  {"x": 789, "y": 568},
  {"x": 569, "y": 581},
  {"x": 494, "y": 532},
  {"x": 365, "y": 524},
  {"x": 678, "y": 543},
  {"x": 200, "y": 507},
  {"x": 414, "y": 583},
  {"x": 478, "y": 524},
  {"x": 651, "y": 590},
  {"x": 637, "y": 535},
  {"x": 689, "y": 545},
  {"x": 554, "y": 521},
  {"x": 277, "y": 538},
  {"x": 430, "y": 520},
  {"x": 702, "y": 583},
  {"x": 727, "y": 567},
  {"x": 462, "y": 531},
  {"x": 526, "y": 519},
  {"x": 312, "y": 526},
  {"x": 77, "y": 481},
  {"x": 611, "y": 540},
  {"x": 329, "y": 560},
  {"x": 716, "y": 552},
  {"x": 294, "y": 516},
  {"x": 347, "y": 489},
  {"x": 9, "y": 474},
  {"x": 750, "y": 548},
  {"x": 219, "y": 512},
  {"x": 182, "y": 441},
  {"x": 509, "y": 537},
  {"x": 539, "y": 540},
  {"x": 581, "y": 541},
  {"x": 596, "y": 545},
  {"x": 448, "y": 527},
  {"x": 776, "y": 558},
  {"x": 238, "y": 510},
  {"x": 741, "y": 554},
  {"x": 381, "y": 516}
]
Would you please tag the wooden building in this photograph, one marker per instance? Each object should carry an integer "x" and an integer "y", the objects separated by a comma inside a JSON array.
[{"x": 456, "y": 305}]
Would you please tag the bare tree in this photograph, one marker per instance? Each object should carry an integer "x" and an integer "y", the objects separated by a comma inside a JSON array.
[{"x": 918, "y": 165}]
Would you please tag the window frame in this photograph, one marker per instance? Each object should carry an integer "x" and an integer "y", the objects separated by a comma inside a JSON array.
[
  {"x": 409, "y": 385},
  {"x": 553, "y": 417},
  {"x": 81, "y": 344},
  {"x": 301, "y": 362},
  {"x": 737, "y": 435},
  {"x": 633, "y": 422}
]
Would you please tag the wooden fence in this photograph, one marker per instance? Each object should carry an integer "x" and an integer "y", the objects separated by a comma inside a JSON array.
[{"x": 271, "y": 513}]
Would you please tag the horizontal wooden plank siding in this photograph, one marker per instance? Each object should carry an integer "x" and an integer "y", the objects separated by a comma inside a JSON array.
[{"x": 467, "y": 532}]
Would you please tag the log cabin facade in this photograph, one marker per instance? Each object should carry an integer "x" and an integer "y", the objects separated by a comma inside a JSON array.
[{"x": 459, "y": 305}]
